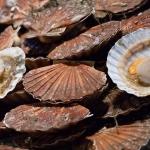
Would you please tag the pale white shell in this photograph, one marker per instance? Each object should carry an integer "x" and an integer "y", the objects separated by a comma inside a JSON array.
[
  {"x": 125, "y": 51},
  {"x": 18, "y": 55}
]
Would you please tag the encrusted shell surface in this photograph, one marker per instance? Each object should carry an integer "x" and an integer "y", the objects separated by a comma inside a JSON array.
[
  {"x": 87, "y": 42},
  {"x": 127, "y": 137},
  {"x": 125, "y": 51},
  {"x": 63, "y": 83},
  {"x": 14, "y": 68},
  {"x": 103, "y": 7},
  {"x": 44, "y": 22},
  {"x": 44, "y": 117}
]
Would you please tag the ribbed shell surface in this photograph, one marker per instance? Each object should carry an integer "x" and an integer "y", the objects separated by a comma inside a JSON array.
[
  {"x": 118, "y": 6},
  {"x": 86, "y": 42},
  {"x": 44, "y": 117},
  {"x": 62, "y": 83},
  {"x": 126, "y": 137}
]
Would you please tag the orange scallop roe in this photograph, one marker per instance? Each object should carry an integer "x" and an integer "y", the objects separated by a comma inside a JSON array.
[{"x": 133, "y": 66}]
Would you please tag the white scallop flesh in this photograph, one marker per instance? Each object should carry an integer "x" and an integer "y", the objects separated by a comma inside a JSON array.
[{"x": 143, "y": 71}]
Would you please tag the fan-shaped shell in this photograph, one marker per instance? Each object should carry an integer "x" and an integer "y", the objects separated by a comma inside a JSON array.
[
  {"x": 125, "y": 51},
  {"x": 127, "y": 137},
  {"x": 14, "y": 67},
  {"x": 87, "y": 42},
  {"x": 116, "y": 6},
  {"x": 44, "y": 117},
  {"x": 44, "y": 22},
  {"x": 7, "y": 37},
  {"x": 62, "y": 83},
  {"x": 142, "y": 20}
]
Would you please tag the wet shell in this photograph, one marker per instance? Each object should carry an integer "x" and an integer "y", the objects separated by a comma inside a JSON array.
[
  {"x": 142, "y": 20},
  {"x": 14, "y": 11},
  {"x": 122, "y": 103},
  {"x": 125, "y": 51},
  {"x": 44, "y": 117},
  {"x": 60, "y": 139},
  {"x": 13, "y": 63},
  {"x": 8, "y": 37},
  {"x": 44, "y": 23},
  {"x": 127, "y": 137},
  {"x": 63, "y": 83},
  {"x": 103, "y": 7},
  {"x": 87, "y": 42}
]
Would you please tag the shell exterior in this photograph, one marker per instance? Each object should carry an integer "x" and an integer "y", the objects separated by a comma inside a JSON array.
[
  {"x": 127, "y": 137},
  {"x": 14, "y": 62},
  {"x": 60, "y": 139},
  {"x": 122, "y": 103},
  {"x": 117, "y": 6},
  {"x": 7, "y": 37},
  {"x": 63, "y": 83},
  {"x": 142, "y": 20},
  {"x": 87, "y": 42},
  {"x": 14, "y": 11},
  {"x": 125, "y": 51},
  {"x": 50, "y": 26},
  {"x": 44, "y": 117}
]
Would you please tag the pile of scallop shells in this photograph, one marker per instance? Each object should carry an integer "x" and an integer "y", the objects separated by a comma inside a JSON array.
[{"x": 74, "y": 74}]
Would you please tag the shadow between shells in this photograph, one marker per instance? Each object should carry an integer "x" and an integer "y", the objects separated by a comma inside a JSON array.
[{"x": 70, "y": 75}]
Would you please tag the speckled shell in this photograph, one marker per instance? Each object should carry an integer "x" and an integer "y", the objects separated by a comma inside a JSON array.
[
  {"x": 44, "y": 117},
  {"x": 44, "y": 23},
  {"x": 14, "y": 11},
  {"x": 63, "y": 83},
  {"x": 125, "y": 51},
  {"x": 142, "y": 20},
  {"x": 87, "y": 42},
  {"x": 127, "y": 137},
  {"x": 7, "y": 37},
  {"x": 14, "y": 63},
  {"x": 103, "y": 7}
]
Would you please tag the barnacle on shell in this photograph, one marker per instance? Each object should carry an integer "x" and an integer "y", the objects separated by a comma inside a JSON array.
[{"x": 12, "y": 67}]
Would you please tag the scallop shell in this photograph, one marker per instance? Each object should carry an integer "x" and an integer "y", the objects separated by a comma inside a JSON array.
[
  {"x": 103, "y": 7},
  {"x": 87, "y": 42},
  {"x": 125, "y": 137},
  {"x": 14, "y": 68},
  {"x": 63, "y": 83},
  {"x": 142, "y": 20},
  {"x": 44, "y": 117},
  {"x": 125, "y": 51},
  {"x": 67, "y": 17},
  {"x": 7, "y": 37}
]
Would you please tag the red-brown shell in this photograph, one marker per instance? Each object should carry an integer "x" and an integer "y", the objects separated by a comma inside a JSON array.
[
  {"x": 140, "y": 21},
  {"x": 44, "y": 117},
  {"x": 44, "y": 23},
  {"x": 63, "y": 83},
  {"x": 7, "y": 37},
  {"x": 118, "y": 6},
  {"x": 15, "y": 11},
  {"x": 87, "y": 42},
  {"x": 127, "y": 137}
]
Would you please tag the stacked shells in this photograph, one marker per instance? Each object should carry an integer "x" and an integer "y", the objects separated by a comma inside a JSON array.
[{"x": 55, "y": 85}]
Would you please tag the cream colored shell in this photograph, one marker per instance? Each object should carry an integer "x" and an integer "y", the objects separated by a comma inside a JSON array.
[
  {"x": 14, "y": 67},
  {"x": 125, "y": 51}
]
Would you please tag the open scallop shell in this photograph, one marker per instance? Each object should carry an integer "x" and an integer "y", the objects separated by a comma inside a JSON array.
[
  {"x": 44, "y": 117},
  {"x": 125, "y": 137},
  {"x": 63, "y": 83},
  {"x": 125, "y": 51},
  {"x": 14, "y": 68}
]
